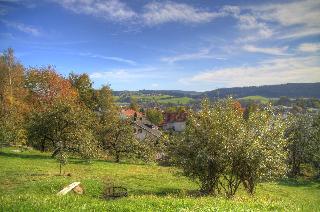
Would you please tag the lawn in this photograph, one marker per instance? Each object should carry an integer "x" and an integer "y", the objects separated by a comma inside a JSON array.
[
  {"x": 177, "y": 100},
  {"x": 261, "y": 99},
  {"x": 29, "y": 181}
]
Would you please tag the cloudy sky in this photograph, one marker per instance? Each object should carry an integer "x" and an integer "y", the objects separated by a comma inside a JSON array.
[{"x": 187, "y": 45}]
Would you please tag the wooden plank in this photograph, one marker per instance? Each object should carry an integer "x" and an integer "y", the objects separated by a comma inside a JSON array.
[{"x": 68, "y": 188}]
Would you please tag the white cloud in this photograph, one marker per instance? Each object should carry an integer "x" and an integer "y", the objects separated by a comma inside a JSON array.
[
  {"x": 250, "y": 23},
  {"x": 304, "y": 12},
  {"x": 230, "y": 9},
  {"x": 117, "y": 59},
  {"x": 300, "y": 32},
  {"x": 22, "y": 27},
  {"x": 116, "y": 74},
  {"x": 126, "y": 75},
  {"x": 253, "y": 27},
  {"x": 277, "y": 71},
  {"x": 202, "y": 54},
  {"x": 309, "y": 47},
  {"x": 159, "y": 13},
  {"x": 292, "y": 19},
  {"x": 302, "y": 17},
  {"x": 272, "y": 51},
  {"x": 108, "y": 9},
  {"x": 153, "y": 13}
]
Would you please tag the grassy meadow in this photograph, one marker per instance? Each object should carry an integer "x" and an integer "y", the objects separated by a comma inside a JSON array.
[
  {"x": 162, "y": 99},
  {"x": 260, "y": 99},
  {"x": 29, "y": 181}
]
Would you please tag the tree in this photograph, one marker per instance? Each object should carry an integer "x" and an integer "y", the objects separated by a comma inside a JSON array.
[
  {"x": 105, "y": 102},
  {"x": 115, "y": 134},
  {"x": 13, "y": 105},
  {"x": 315, "y": 144},
  {"x": 134, "y": 104},
  {"x": 298, "y": 134},
  {"x": 221, "y": 149},
  {"x": 63, "y": 128},
  {"x": 250, "y": 108},
  {"x": 154, "y": 116},
  {"x": 83, "y": 84},
  {"x": 118, "y": 139},
  {"x": 303, "y": 142},
  {"x": 262, "y": 154},
  {"x": 46, "y": 87},
  {"x": 283, "y": 100}
]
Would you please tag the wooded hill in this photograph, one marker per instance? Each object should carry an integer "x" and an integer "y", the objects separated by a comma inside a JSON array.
[{"x": 292, "y": 90}]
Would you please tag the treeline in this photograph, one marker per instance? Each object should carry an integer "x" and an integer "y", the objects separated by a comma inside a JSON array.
[
  {"x": 291, "y": 90},
  {"x": 63, "y": 115},
  {"x": 299, "y": 102}
]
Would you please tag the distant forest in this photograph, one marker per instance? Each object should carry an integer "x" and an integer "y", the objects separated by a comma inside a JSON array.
[{"x": 291, "y": 90}]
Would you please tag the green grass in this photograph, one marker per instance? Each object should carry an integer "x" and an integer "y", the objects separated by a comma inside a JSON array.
[
  {"x": 150, "y": 98},
  {"x": 176, "y": 100},
  {"x": 163, "y": 99},
  {"x": 261, "y": 99},
  {"x": 29, "y": 181}
]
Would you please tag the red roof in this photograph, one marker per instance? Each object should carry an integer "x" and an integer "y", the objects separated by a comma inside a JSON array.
[
  {"x": 175, "y": 117},
  {"x": 130, "y": 112}
]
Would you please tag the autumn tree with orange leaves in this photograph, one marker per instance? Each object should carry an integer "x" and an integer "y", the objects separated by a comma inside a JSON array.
[
  {"x": 13, "y": 105},
  {"x": 59, "y": 122}
]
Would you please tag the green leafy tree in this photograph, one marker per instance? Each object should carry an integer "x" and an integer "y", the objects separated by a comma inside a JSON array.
[
  {"x": 261, "y": 154},
  {"x": 115, "y": 134},
  {"x": 304, "y": 142},
  {"x": 134, "y": 104},
  {"x": 299, "y": 141},
  {"x": 283, "y": 100},
  {"x": 83, "y": 84},
  {"x": 221, "y": 149},
  {"x": 154, "y": 116},
  {"x": 250, "y": 108},
  {"x": 64, "y": 129},
  {"x": 106, "y": 103},
  {"x": 315, "y": 146},
  {"x": 118, "y": 138}
]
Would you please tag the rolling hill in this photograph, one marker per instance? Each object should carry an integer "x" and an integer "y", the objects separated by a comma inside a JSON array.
[{"x": 291, "y": 90}]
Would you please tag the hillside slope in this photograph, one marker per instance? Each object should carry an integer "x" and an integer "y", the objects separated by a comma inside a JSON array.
[
  {"x": 29, "y": 181},
  {"x": 291, "y": 90}
]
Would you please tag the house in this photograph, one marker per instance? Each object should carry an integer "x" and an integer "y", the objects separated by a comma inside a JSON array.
[
  {"x": 130, "y": 113},
  {"x": 143, "y": 129},
  {"x": 175, "y": 121}
]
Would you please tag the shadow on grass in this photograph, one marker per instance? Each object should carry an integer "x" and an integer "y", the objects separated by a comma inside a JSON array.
[
  {"x": 25, "y": 156},
  {"x": 163, "y": 192},
  {"x": 293, "y": 182},
  {"x": 78, "y": 160}
]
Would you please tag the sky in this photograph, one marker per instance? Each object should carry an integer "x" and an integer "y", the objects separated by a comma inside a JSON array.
[{"x": 180, "y": 44}]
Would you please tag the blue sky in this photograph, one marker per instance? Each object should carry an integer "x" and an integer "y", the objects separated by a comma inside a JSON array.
[{"x": 186, "y": 45}]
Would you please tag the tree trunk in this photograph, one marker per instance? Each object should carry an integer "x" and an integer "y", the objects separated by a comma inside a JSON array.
[
  {"x": 117, "y": 157},
  {"x": 60, "y": 168},
  {"x": 295, "y": 170},
  {"x": 55, "y": 152}
]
